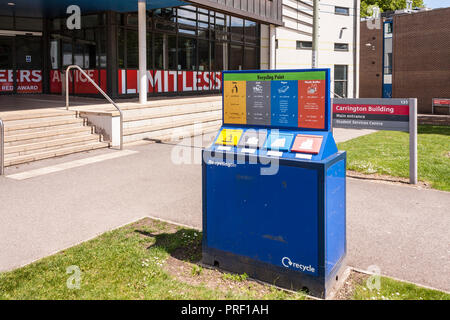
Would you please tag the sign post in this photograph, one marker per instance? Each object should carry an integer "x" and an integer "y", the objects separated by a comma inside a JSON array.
[
  {"x": 413, "y": 140},
  {"x": 381, "y": 114}
]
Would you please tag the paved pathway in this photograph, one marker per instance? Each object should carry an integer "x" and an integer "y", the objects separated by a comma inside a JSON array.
[{"x": 401, "y": 229}]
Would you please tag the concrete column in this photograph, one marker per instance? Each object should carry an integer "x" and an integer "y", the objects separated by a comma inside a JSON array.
[
  {"x": 273, "y": 47},
  {"x": 142, "y": 30}
]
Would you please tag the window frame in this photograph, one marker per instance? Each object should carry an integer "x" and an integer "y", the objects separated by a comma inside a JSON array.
[
  {"x": 299, "y": 46},
  {"x": 346, "y": 13},
  {"x": 347, "y": 49},
  {"x": 344, "y": 81}
]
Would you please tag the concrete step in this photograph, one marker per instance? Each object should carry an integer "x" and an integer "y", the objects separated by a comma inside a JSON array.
[
  {"x": 27, "y": 138},
  {"x": 187, "y": 132},
  {"x": 10, "y": 161},
  {"x": 170, "y": 123},
  {"x": 181, "y": 130},
  {"x": 174, "y": 120},
  {"x": 50, "y": 144},
  {"x": 14, "y": 123},
  {"x": 33, "y": 114},
  {"x": 170, "y": 110},
  {"x": 77, "y": 124},
  {"x": 37, "y": 125}
]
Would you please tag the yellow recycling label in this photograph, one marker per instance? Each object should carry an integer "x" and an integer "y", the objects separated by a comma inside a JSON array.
[
  {"x": 229, "y": 137},
  {"x": 235, "y": 109}
]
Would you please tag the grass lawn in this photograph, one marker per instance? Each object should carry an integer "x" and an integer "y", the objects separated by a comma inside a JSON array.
[
  {"x": 390, "y": 289},
  {"x": 387, "y": 153},
  {"x": 146, "y": 260},
  {"x": 154, "y": 260}
]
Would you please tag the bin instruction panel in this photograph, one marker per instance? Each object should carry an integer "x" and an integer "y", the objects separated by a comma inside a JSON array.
[{"x": 282, "y": 99}]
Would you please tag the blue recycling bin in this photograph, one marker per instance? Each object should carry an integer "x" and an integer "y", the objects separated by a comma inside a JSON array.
[{"x": 274, "y": 197}]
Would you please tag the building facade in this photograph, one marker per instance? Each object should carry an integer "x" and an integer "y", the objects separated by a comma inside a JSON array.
[
  {"x": 188, "y": 44},
  {"x": 338, "y": 41},
  {"x": 407, "y": 56}
]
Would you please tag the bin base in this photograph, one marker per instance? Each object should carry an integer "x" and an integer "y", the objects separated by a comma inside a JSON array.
[{"x": 274, "y": 275}]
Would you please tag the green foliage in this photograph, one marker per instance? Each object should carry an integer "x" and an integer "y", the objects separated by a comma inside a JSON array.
[
  {"x": 235, "y": 277},
  {"x": 196, "y": 270},
  {"x": 386, "y": 5}
]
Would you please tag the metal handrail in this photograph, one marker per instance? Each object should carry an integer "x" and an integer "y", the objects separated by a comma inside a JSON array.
[
  {"x": 2, "y": 148},
  {"x": 100, "y": 90}
]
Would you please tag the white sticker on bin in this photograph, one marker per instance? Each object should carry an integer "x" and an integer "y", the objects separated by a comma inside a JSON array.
[
  {"x": 246, "y": 150},
  {"x": 224, "y": 148},
  {"x": 303, "y": 156},
  {"x": 275, "y": 153}
]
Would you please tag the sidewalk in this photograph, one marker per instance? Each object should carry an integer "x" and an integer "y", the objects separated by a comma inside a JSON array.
[{"x": 401, "y": 229}]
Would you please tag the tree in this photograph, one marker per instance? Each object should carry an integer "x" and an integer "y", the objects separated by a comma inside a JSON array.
[{"x": 386, "y": 5}]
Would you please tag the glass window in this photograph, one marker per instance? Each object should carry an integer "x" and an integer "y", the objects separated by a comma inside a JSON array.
[
  {"x": 149, "y": 51},
  {"x": 78, "y": 55},
  {"x": 6, "y": 53},
  {"x": 186, "y": 54},
  {"x": 54, "y": 52},
  {"x": 67, "y": 53},
  {"x": 304, "y": 45},
  {"x": 90, "y": 21},
  {"x": 165, "y": 51},
  {"x": 187, "y": 16},
  {"x": 28, "y": 24},
  {"x": 100, "y": 36},
  {"x": 132, "y": 19},
  {"x": 132, "y": 48},
  {"x": 121, "y": 51},
  {"x": 203, "y": 55},
  {"x": 342, "y": 10},
  {"x": 219, "y": 56},
  {"x": 251, "y": 58},
  {"x": 56, "y": 24},
  {"x": 250, "y": 28},
  {"x": 172, "y": 50},
  {"x": 6, "y": 23},
  {"x": 341, "y": 80},
  {"x": 168, "y": 14},
  {"x": 341, "y": 47},
  {"x": 159, "y": 51},
  {"x": 236, "y": 56},
  {"x": 236, "y": 29}
]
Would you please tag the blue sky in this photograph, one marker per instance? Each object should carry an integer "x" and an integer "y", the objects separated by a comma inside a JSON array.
[{"x": 437, "y": 3}]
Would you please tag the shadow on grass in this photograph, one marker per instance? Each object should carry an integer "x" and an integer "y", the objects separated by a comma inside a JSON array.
[{"x": 184, "y": 244}]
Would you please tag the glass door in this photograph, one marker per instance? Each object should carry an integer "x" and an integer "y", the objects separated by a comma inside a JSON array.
[
  {"x": 20, "y": 64},
  {"x": 7, "y": 78},
  {"x": 29, "y": 64}
]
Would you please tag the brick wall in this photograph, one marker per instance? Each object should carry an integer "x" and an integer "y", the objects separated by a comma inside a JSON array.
[
  {"x": 421, "y": 59},
  {"x": 371, "y": 65}
]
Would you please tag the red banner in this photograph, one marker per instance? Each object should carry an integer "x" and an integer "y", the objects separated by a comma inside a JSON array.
[
  {"x": 27, "y": 81},
  {"x": 311, "y": 109},
  {"x": 78, "y": 83},
  {"x": 371, "y": 109},
  {"x": 441, "y": 102},
  {"x": 160, "y": 81}
]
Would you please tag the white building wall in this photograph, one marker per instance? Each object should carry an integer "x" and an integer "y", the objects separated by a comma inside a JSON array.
[{"x": 333, "y": 28}]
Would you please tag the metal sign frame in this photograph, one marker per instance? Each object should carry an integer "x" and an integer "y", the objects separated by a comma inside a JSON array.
[{"x": 411, "y": 126}]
